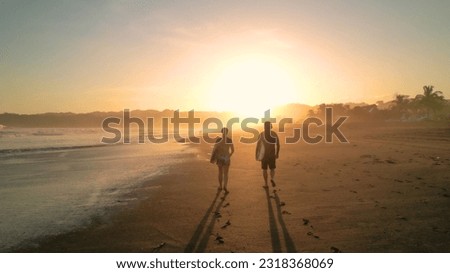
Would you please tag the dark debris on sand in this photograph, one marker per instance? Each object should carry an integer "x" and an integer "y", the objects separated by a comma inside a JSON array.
[
  {"x": 228, "y": 223},
  {"x": 219, "y": 239},
  {"x": 159, "y": 247},
  {"x": 335, "y": 249}
]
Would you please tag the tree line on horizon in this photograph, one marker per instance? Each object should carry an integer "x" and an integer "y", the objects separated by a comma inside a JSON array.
[{"x": 429, "y": 105}]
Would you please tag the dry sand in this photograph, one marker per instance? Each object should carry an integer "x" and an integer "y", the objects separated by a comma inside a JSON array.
[{"x": 388, "y": 190}]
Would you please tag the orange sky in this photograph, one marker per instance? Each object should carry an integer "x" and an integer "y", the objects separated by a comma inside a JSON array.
[{"x": 209, "y": 56}]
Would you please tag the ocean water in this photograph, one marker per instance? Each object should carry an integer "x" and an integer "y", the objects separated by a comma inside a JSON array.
[
  {"x": 55, "y": 180},
  {"x": 13, "y": 140}
]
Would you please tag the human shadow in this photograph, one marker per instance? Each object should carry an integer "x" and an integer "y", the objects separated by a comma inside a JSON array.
[
  {"x": 273, "y": 219},
  {"x": 200, "y": 238},
  {"x": 290, "y": 246},
  {"x": 274, "y": 235}
]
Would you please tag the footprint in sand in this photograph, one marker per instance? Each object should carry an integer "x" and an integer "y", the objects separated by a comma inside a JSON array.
[
  {"x": 353, "y": 191},
  {"x": 376, "y": 161},
  {"x": 217, "y": 214},
  {"x": 312, "y": 235},
  {"x": 335, "y": 249},
  {"x": 226, "y": 205},
  {"x": 219, "y": 239},
  {"x": 228, "y": 223},
  {"x": 286, "y": 212},
  {"x": 282, "y": 204},
  {"x": 437, "y": 158},
  {"x": 305, "y": 222},
  {"x": 158, "y": 248}
]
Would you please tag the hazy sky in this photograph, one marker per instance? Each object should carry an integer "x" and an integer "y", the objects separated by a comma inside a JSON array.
[{"x": 84, "y": 56}]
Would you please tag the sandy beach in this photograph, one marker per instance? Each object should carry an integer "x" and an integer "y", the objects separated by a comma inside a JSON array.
[{"x": 387, "y": 190}]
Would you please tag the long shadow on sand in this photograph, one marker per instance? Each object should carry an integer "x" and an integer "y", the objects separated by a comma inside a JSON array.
[
  {"x": 274, "y": 233},
  {"x": 200, "y": 238}
]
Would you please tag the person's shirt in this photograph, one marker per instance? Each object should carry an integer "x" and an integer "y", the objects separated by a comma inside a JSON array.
[
  {"x": 223, "y": 147},
  {"x": 271, "y": 144}
]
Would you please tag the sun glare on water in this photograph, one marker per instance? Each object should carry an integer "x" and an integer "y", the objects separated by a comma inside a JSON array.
[{"x": 249, "y": 86}]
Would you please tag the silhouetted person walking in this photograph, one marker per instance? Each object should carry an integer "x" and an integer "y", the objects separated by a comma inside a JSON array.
[
  {"x": 267, "y": 150},
  {"x": 222, "y": 152}
]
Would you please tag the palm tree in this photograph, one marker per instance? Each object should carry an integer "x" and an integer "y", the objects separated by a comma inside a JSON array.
[
  {"x": 401, "y": 103},
  {"x": 401, "y": 100},
  {"x": 431, "y": 100}
]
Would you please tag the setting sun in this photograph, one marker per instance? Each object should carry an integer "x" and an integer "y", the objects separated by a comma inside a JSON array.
[{"x": 250, "y": 85}]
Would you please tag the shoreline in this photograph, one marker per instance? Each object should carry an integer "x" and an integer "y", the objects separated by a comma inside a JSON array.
[
  {"x": 388, "y": 190},
  {"x": 106, "y": 216}
]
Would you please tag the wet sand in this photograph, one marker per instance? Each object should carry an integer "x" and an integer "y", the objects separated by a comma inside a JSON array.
[{"x": 388, "y": 190}]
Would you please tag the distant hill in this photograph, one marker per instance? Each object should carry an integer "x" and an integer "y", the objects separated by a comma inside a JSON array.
[
  {"x": 95, "y": 119},
  {"x": 91, "y": 120},
  {"x": 298, "y": 112},
  {"x": 292, "y": 110},
  {"x": 59, "y": 120}
]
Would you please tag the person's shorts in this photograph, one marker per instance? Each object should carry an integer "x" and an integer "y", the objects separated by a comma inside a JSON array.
[
  {"x": 223, "y": 161},
  {"x": 268, "y": 162}
]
